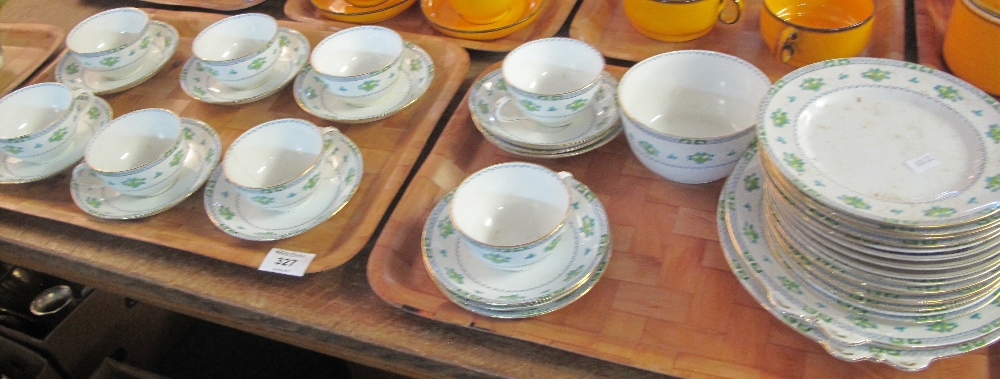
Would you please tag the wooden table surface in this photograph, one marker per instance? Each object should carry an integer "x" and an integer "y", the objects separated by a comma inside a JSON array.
[{"x": 334, "y": 312}]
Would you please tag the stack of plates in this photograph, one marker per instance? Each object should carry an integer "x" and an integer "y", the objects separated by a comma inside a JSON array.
[
  {"x": 553, "y": 283},
  {"x": 595, "y": 126},
  {"x": 871, "y": 211}
]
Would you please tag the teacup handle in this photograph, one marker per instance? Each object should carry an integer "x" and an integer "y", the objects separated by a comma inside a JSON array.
[
  {"x": 82, "y": 100},
  {"x": 785, "y": 48},
  {"x": 329, "y": 134},
  {"x": 722, "y": 12},
  {"x": 504, "y": 118},
  {"x": 564, "y": 175}
]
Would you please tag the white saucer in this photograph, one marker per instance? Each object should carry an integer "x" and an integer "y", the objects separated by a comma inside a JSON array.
[
  {"x": 72, "y": 74},
  {"x": 449, "y": 261},
  {"x": 94, "y": 197},
  {"x": 417, "y": 68},
  {"x": 593, "y": 123},
  {"x": 13, "y": 170},
  {"x": 197, "y": 83},
  {"x": 240, "y": 218}
]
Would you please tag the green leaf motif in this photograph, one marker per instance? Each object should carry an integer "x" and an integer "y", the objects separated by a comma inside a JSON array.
[
  {"x": 876, "y": 75},
  {"x": 795, "y": 162},
  {"x": 350, "y": 175},
  {"x": 947, "y": 93},
  {"x": 855, "y": 202},
  {"x": 483, "y": 107},
  {"x": 779, "y": 118},
  {"x": 942, "y": 327},
  {"x": 13, "y": 149},
  {"x": 134, "y": 182},
  {"x": 701, "y": 157},
  {"x": 177, "y": 158},
  {"x": 554, "y": 243},
  {"x": 812, "y": 84},
  {"x": 311, "y": 182},
  {"x": 226, "y": 213},
  {"x": 145, "y": 43},
  {"x": 445, "y": 227},
  {"x": 369, "y": 85},
  {"x": 994, "y": 133},
  {"x": 72, "y": 69},
  {"x": 416, "y": 65},
  {"x": 93, "y": 113},
  {"x": 790, "y": 285},
  {"x": 501, "y": 84},
  {"x": 283, "y": 41},
  {"x": 454, "y": 276},
  {"x": 939, "y": 211},
  {"x": 257, "y": 64},
  {"x": 93, "y": 202},
  {"x": 496, "y": 258},
  {"x": 310, "y": 93},
  {"x": 109, "y": 61},
  {"x": 188, "y": 133},
  {"x": 576, "y": 104},
  {"x": 530, "y": 106},
  {"x": 862, "y": 322},
  {"x": 574, "y": 273},
  {"x": 58, "y": 135},
  {"x": 588, "y": 226},
  {"x": 648, "y": 148},
  {"x": 262, "y": 200},
  {"x": 993, "y": 183},
  {"x": 751, "y": 233},
  {"x": 751, "y": 182},
  {"x": 198, "y": 91}
]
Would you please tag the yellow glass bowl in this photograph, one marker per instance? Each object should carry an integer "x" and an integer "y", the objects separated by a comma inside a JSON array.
[
  {"x": 341, "y": 10},
  {"x": 445, "y": 19}
]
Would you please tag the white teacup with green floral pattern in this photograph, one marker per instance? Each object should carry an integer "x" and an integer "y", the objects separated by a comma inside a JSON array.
[
  {"x": 689, "y": 115},
  {"x": 139, "y": 153},
  {"x": 112, "y": 43},
  {"x": 512, "y": 214},
  {"x": 278, "y": 164},
  {"x": 551, "y": 80},
  {"x": 359, "y": 64},
  {"x": 239, "y": 51},
  {"x": 39, "y": 120}
]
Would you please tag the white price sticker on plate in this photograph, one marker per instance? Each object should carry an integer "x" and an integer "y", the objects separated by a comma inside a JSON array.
[
  {"x": 286, "y": 262},
  {"x": 923, "y": 163}
]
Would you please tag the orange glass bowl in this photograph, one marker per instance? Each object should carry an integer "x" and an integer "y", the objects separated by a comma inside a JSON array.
[
  {"x": 445, "y": 19},
  {"x": 972, "y": 46},
  {"x": 679, "y": 20},
  {"x": 341, "y": 10}
]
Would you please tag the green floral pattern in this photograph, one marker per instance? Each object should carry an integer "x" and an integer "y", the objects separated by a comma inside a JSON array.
[
  {"x": 701, "y": 157},
  {"x": 812, "y": 84},
  {"x": 134, "y": 182},
  {"x": 876, "y": 74},
  {"x": 947, "y": 93},
  {"x": 257, "y": 63},
  {"x": 109, "y": 61},
  {"x": 369, "y": 85},
  {"x": 855, "y": 202},
  {"x": 779, "y": 118},
  {"x": 648, "y": 148},
  {"x": 530, "y": 106}
]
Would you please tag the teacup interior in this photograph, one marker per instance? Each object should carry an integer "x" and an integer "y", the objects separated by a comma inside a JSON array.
[
  {"x": 273, "y": 153},
  {"x": 693, "y": 94},
  {"x": 510, "y": 204},
  {"x": 33, "y": 108},
  {"x": 356, "y": 51},
  {"x": 133, "y": 140},
  {"x": 235, "y": 37},
  {"x": 107, "y": 30},
  {"x": 552, "y": 66}
]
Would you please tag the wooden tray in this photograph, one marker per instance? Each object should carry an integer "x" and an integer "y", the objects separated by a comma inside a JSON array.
[
  {"x": 603, "y": 23},
  {"x": 668, "y": 301},
  {"x": 25, "y": 48},
  {"x": 389, "y": 147},
  {"x": 219, "y": 5},
  {"x": 412, "y": 20}
]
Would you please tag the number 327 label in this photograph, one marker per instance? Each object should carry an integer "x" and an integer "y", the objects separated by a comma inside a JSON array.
[{"x": 286, "y": 262}]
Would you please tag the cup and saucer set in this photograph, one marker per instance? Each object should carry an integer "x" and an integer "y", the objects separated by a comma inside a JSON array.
[
  {"x": 517, "y": 240},
  {"x": 282, "y": 178},
  {"x": 45, "y": 129},
  {"x": 243, "y": 58},
  {"x": 115, "y": 50},
  {"x": 144, "y": 163},
  {"x": 363, "y": 74},
  {"x": 550, "y": 99}
]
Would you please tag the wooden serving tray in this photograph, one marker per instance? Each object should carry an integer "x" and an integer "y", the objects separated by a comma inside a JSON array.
[
  {"x": 25, "y": 48},
  {"x": 412, "y": 20},
  {"x": 219, "y": 5},
  {"x": 668, "y": 301},
  {"x": 603, "y": 23},
  {"x": 389, "y": 147}
]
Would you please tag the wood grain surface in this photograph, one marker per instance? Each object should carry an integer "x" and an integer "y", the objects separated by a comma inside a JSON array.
[
  {"x": 931, "y": 17},
  {"x": 389, "y": 148},
  {"x": 603, "y": 24},
  {"x": 26, "y": 47},
  {"x": 668, "y": 301},
  {"x": 412, "y": 20},
  {"x": 219, "y": 5}
]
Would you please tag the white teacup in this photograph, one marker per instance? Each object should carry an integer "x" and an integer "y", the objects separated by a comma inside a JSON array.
[
  {"x": 552, "y": 80},
  {"x": 278, "y": 164},
  {"x": 359, "y": 64},
  {"x": 112, "y": 43},
  {"x": 512, "y": 214},
  {"x": 39, "y": 120},
  {"x": 239, "y": 51},
  {"x": 689, "y": 115},
  {"x": 139, "y": 153}
]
